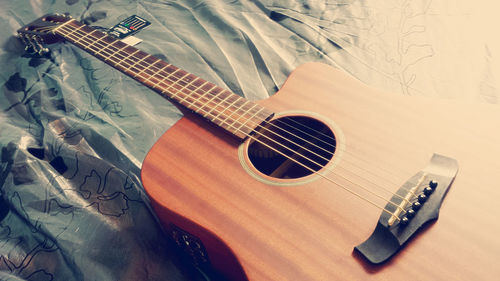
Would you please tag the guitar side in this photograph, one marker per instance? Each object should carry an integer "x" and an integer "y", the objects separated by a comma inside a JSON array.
[{"x": 258, "y": 231}]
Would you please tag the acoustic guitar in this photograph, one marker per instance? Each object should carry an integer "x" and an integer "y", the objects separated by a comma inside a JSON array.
[{"x": 326, "y": 180}]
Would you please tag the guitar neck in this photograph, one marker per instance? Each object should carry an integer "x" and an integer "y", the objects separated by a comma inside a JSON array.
[{"x": 229, "y": 111}]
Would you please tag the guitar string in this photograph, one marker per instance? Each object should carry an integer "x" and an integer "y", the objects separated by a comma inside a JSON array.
[
  {"x": 274, "y": 132},
  {"x": 45, "y": 29},
  {"x": 331, "y": 145},
  {"x": 240, "y": 116},
  {"x": 69, "y": 34},
  {"x": 272, "y": 124},
  {"x": 389, "y": 180},
  {"x": 158, "y": 72},
  {"x": 382, "y": 168},
  {"x": 306, "y": 158},
  {"x": 277, "y": 120}
]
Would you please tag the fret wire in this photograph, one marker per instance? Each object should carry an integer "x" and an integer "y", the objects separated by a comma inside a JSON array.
[
  {"x": 202, "y": 95},
  {"x": 85, "y": 36},
  {"x": 230, "y": 105},
  {"x": 175, "y": 95},
  {"x": 173, "y": 83},
  {"x": 135, "y": 62},
  {"x": 188, "y": 84},
  {"x": 256, "y": 114},
  {"x": 162, "y": 78},
  {"x": 213, "y": 96},
  {"x": 251, "y": 117},
  {"x": 150, "y": 76},
  {"x": 146, "y": 67},
  {"x": 60, "y": 26},
  {"x": 182, "y": 87},
  {"x": 194, "y": 91},
  {"x": 217, "y": 104},
  {"x": 126, "y": 57},
  {"x": 194, "y": 88},
  {"x": 159, "y": 80},
  {"x": 118, "y": 52},
  {"x": 241, "y": 115},
  {"x": 185, "y": 87},
  {"x": 119, "y": 62},
  {"x": 147, "y": 72},
  {"x": 137, "y": 74},
  {"x": 222, "y": 100},
  {"x": 114, "y": 53},
  {"x": 238, "y": 108},
  {"x": 108, "y": 45},
  {"x": 176, "y": 78},
  {"x": 189, "y": 79},
  {"x": 98, "y": 39},
  {"x": 74, "y": 30}
]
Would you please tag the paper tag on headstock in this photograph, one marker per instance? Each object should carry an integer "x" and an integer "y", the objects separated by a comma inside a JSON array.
[{"x": 128, "y": 27}]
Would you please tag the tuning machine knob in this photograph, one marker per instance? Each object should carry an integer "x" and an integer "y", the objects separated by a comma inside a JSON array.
[
  {"x": 29, "y": 47},
  {"x": 43, "y": 51},
  {"x": 34, "y": 44}
]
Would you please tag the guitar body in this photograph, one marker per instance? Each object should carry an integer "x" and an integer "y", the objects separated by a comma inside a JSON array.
[{"x": 254, "y": 227}]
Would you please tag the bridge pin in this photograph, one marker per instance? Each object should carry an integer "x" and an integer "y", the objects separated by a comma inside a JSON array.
[
  {"x": 416, "y": 206},
  {"x": 433, "y": 184},
  {"x": 428, "y": 190},
  {"x": 410, "y": 213}
]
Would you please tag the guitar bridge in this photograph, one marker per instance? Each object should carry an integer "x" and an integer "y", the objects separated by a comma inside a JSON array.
[{"x": 414, "y": 204}]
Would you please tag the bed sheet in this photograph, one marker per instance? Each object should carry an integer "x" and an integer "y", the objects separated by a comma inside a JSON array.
[{"x": 73, "y": 132}]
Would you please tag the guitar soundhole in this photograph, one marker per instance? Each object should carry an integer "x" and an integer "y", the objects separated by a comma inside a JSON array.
[{"x": 291, "y": 147}]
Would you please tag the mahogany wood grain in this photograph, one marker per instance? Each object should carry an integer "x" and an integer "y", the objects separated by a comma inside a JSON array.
[{"x": 307, "y": 232}]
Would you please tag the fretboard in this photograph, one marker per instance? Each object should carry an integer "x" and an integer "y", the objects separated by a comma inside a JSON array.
[{"x": 229, "y": 111}]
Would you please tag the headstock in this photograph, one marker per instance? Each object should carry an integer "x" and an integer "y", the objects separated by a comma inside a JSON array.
[{"x": 38, "y": 33}]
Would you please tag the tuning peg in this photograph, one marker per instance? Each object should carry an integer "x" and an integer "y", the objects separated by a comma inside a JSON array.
[
  {"x": 33, "y": 44},
  {"x": 29, "y": 47},
  {"x": 21, "y": 36},
  {"x": 36, "y": 45},
  {"x": 40, "y": 49},
  {"x": 43, "y": 51}
]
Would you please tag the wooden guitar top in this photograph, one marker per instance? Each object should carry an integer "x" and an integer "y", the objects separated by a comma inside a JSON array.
[{"x": 307, "y": 231}]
